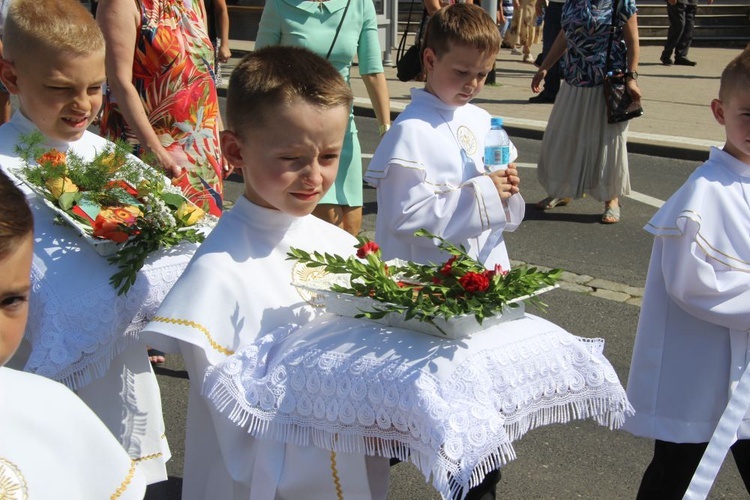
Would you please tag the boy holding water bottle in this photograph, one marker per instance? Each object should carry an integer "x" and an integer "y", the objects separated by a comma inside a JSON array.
[{"x": 430, "y": 170}]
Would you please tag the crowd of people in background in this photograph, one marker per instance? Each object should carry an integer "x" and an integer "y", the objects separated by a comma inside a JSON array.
[{"x": 153, "y": 67}]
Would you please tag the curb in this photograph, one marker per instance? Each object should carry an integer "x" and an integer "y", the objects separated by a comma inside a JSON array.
[{"x": 681, "y": 149}]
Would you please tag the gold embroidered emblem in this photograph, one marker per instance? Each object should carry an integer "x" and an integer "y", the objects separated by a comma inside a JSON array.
[
  {"x": 12, "y": 482},
  {"x": 302, "y": 274},
  {"x": 466, "y": 140}
]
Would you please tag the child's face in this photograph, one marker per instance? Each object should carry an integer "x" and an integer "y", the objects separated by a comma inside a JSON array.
[
  {"x": 459, "y": 75},
  {"x": 734, "y": 114},
  {"x": 15, "y": 287},
  {"x": 290, "y": 162},
  {"x": 60, "y": 93}
]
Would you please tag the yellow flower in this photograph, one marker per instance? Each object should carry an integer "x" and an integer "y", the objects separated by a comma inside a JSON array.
[
  {"x": 59, "y": 185},
  {"x": 113, "y": 162},
  {"x": 189, "y": 214}
]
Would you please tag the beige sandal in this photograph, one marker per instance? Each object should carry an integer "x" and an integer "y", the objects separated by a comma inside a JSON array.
[
  {"x": 611, "y": 215},
  {"x": 552, "y": 202}
]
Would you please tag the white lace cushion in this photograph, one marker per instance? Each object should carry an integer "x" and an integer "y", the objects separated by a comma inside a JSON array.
[{"x": 454, "y": 426}]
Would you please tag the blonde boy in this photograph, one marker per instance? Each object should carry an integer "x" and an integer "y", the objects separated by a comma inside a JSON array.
[
  {"x": 287, "y": 111},
  {"x": 692, "y": 340},
  {"x": 54, "y": 63},
  {"x": 429, "y": 167}
]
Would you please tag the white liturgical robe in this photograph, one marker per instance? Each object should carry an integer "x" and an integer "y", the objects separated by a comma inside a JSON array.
[
  {"x": 692, "y": 341},
  {"x": 117, "y": 381},
  {"x": 429, "y": 174},
  {"x": 237, "y": 288},
  {"x": 52, "y": 446}
]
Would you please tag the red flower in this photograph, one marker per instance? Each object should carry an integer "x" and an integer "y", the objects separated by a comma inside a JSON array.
[
  {"x": 474, "y": 282},
  {"x": 446, "y": 269},
  {"x": 497, "y": 271},
  {"x": 367, "y": 249}
]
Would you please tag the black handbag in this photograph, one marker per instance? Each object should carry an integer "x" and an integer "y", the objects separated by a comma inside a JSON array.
[
  {"x": 409, "y": 61},
  {"x": 620, "y": 106}
]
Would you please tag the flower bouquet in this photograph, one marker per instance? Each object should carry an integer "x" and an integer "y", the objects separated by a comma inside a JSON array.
[
  {"x": 452, "y": 299},
  {"x": 122, "y": 207}
]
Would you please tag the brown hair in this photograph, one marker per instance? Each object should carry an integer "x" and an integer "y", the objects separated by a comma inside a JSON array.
[
  {"x": 16, "y": 221},
  {"x": 272, "y": 76},
  {"x": 461, "y": 24},
  {"x": 736, "y": 75},
  {"x": 36, "y": 26}
]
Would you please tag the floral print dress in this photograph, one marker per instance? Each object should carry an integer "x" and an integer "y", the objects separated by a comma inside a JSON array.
[{"x": 172, "y": 72}]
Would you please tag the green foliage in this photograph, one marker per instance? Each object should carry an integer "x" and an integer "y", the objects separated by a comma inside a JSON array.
[
  {"x": 459, "y": 286},
  {"x": 104, "y": 181}
]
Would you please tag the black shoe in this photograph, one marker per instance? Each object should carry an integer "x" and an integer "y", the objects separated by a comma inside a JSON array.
[
  {"x": 542, "y": 99},
  {"x": 504, "y": 45},
  {"x": 684, "y": 61},
  {"x": 666, "y": 61}
]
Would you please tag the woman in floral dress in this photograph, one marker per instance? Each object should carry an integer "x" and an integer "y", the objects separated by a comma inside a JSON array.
[
  {"x": 581, "y": 152},
  {"x": 161, "y": 96}
]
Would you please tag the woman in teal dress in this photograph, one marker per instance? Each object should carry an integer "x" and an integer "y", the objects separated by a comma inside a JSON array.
[{"x": 313, "y": 25}]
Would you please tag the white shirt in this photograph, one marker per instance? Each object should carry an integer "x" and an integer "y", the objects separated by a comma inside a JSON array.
[
  {"x": 692, "y": 341},
  {"x": 237, "y": 288},
  {"x": 52, "y": 446},
  {"x": 428, "y": 171}
]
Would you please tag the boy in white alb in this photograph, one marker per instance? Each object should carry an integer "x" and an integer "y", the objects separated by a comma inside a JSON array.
[
  {"x": 692, "y": 343},
  {"x": 54, "y": 63},
  {"x": 287, "y": 111},
  {"x": 429, "y": 170},
  {"x": 51, "y": 445}
]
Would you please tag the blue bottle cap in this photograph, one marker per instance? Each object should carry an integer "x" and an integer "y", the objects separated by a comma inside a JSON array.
[{"x": 496, "y": 121}]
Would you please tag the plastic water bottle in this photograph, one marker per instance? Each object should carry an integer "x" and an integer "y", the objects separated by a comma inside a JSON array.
[{"x": 496, "y": 147}]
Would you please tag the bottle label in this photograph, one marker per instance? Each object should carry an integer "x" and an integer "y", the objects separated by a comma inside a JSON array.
[{"x": 496, "y": 155}]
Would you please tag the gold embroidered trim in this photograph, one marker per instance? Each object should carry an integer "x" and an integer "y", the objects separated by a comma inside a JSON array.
[
  {"x": 335, "y": 476},
  {"x": 199, "y": 327},
  {"x": 12, "y": 483},
  {"x": 124, "y": 485},
  {"x": 703, "y": 243},
  {"x": 148, "y": 457}
]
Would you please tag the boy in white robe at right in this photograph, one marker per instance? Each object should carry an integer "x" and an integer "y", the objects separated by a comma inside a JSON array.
[{"x": 692, "y": 343}]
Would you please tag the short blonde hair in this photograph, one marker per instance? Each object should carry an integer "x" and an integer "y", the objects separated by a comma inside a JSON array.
[
  {"x": 36, "y": 26},
  {"x": 276, "y": 75},
  {"x": 462, "y": 24},
  {"x": 736, "y": 75}
]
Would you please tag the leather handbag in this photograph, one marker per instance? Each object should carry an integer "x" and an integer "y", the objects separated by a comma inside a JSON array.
[
  {"x": 620, "y": 105},
  {"x": 409, "y": 61}
]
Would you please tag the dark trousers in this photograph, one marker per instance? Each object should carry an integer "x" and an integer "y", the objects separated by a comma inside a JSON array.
[
  {"x": 552, "y": 17},
  {"x": 669, "y": 474},
  {"x": 680, "y": 34}
]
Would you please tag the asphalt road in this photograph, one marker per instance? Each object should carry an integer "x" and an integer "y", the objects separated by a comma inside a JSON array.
[{"x": 579, "y": 459}]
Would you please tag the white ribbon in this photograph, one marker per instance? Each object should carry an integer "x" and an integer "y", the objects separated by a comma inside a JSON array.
[{"x": 722, "y": 439}]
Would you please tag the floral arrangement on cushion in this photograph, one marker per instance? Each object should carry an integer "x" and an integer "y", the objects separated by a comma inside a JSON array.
[
  {"x": 459, "y": 286},
  {"x": 113, "y": 197}
]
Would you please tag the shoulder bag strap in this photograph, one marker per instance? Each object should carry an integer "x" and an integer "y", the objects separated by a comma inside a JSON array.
[
  {"x": 614, "y": 24},
  {"x": 336, "y": 35}
]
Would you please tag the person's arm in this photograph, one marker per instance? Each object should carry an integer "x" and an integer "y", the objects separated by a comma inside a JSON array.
[
  {"x": 269, "y": 29},
  {"x": 719, "y": 296},
  {"x": 370, "y": 58},
  {"x": 432, "y": 6},
  {"x": 555, "y": 52},
  {"x": 119, "y": 22},
  {"x": 630, "y": 32},
  {"x": 221, "y": 14},
  {"x": 377, "y": 89}
]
